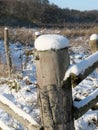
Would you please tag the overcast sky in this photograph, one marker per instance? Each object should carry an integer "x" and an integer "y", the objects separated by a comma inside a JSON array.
[{"x": 77, "y": 4}]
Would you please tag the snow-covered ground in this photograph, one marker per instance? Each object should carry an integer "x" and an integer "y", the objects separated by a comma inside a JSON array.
[{"x": 25, "y": 96}]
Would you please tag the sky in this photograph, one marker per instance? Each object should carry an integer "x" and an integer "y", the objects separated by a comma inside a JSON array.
[{"x": 77, "y": 4}]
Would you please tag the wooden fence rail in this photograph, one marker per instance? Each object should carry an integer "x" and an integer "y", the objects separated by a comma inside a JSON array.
[
  {"x": 81, "y": 70},
  {"x": 80, "y": 108},
  {"x": 25, "y": 119}
]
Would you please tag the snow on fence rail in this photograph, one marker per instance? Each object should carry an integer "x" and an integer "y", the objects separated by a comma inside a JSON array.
[
  {"x": 25, "y": 119},
  {"x": 84, "y": 105},
  {"x": 81, "y": 70}
]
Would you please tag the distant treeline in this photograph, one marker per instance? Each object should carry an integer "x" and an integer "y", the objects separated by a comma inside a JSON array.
[{"x": 42, "y": 13}]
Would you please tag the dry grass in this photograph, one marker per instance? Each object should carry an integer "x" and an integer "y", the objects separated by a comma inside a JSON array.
[
  {"x": 3, "y": 70},
  {"x": 26, "y": 35},
  {"x": 23, "y": 35},
  {"x": 74, "y": 32},
  {"x": 1, "y": 32}
]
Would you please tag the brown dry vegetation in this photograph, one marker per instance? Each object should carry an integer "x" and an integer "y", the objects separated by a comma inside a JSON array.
[
  {"x": 26, "y": 36},
  {"x": 76, "y": 31},
  {"x": 23, "y": 35},
  {"x": 3, "y": 70}
]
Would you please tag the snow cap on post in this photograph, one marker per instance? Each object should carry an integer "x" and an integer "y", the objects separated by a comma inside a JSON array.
[
  {"x": 37, "y": 33},
  {"x": 94, "y": 37},
  {"x": 5, "y": 28},
  {"x": 51, "y": 42}
]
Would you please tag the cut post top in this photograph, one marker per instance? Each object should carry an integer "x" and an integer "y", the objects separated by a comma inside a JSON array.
[
  {"x": 94, "y": 37},
  {"x": 5, "y": 28},
  {"x": 51, "y": 42}
]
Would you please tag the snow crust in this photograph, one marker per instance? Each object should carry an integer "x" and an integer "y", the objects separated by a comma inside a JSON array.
[
  {"x": 94, "y": 37},
  {"x": 51, "y": 41},
  {"x": 82, "y": 65},
  {"x": 85, "y": 101},
  {"x": 17, "y": 110},
  {"x": 3, "y": 126}
]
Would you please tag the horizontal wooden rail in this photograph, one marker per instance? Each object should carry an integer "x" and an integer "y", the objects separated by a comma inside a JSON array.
[
  {"x": 16, "y": 113},
  {"x": 81, "y": 70},
  {"x": 81, "y": 107}
]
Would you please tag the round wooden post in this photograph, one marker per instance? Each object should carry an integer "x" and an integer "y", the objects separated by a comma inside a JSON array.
[
  {"x": 7, "y": 51},
  {"x": 55, "y": 100},
  {"x": 93, "y": 43}
]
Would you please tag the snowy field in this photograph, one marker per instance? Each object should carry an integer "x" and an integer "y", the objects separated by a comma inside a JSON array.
[{"x": 25, "y": 96}]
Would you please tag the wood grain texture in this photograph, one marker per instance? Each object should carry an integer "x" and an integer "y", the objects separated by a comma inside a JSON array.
[{"x": 54, "y": 100}]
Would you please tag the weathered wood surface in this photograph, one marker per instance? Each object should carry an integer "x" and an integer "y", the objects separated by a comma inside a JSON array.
[
  {"x": 7, "y": 51},
  {"x": 93, "y": 45},
  {"x": 55, "y": 100}
]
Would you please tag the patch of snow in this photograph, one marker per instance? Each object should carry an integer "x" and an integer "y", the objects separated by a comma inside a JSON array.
[
  {"x": 88, "y": 121},
  {"x": 3, "y": 126},
  {"x": 37, "y": 33},
  {"x": 5, "y": 28},
  {"x": 82, "y": 65},
  {"x": 94, "y": 37},
  {"x": 85, "y": 101},
  {"x": 51, "y": 41}
]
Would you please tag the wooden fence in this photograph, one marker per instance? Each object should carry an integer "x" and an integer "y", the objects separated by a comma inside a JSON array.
[
  {"x": 5, "y": 104},
  {"x": 55, "y": 81}
]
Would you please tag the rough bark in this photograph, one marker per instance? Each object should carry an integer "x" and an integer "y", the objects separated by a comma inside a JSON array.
[{"x": 55, "y": 100}]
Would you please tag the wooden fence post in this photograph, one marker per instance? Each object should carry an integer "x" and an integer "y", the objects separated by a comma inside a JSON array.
[
  {"x": 93, "y": 43},
  {"x": 7, "y": 51},
  {"x": 55, "y": 100}
]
